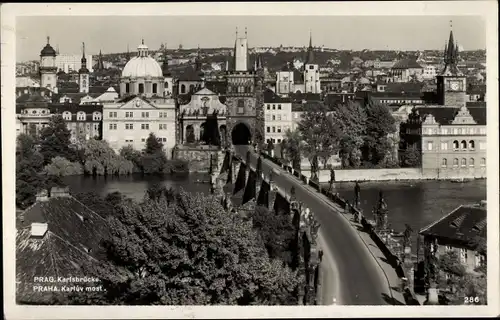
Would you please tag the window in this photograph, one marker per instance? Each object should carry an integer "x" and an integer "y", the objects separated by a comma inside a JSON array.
[
  {"x": 463, "y": 255},
  {"x": 274, "y": 117},
  {"x": 279, "y": 106},
  {"x": 483, "y": 162},
  {"x": 96, "y": 116},
  {"x": 127, "y": 87},
  {"x": 482, "y": 145},
  {"x": 455, "y": 131},
  {"x": 471, "y": 162},
  {"x": 143, "y": 140},
  {"x": 274, "y": 107},
  {"x": 129, "y": 126},
  {"x": 191, "y": 88},
  {"x": 166, "y": 85},
  {"x": 279, "y": 140},
  {"x": 268, "y": 129},
  {"x": 183, "y": 88},
  {"x": 311, "y": 67},
  {"x": 112, "y": 126},
  {"x": 129, "y": 140},
  {"x": 155, "y": 88},
  {"x": 80, "y": 116},
  {"x": 429, "y": 145},
  {"x": 145, "y": 126},
  {"x": 455, "y": 162},
  {"x": 163, "y": 126},
  {"x": 279, "y": 117},
  {"x": 444, "y": 145},
  {"x": 268, "y": 107},
  {"x": 241, "y": 107},
  {"x": 141, "y": 87},
  {"x": 472, "y": 145},
  {"x": 279, "y": 129},
  {"x": 478, "y": 260},
  {"x": 145, "y": 114},
  {"x": 455, "y": 144},
  {"x": 113, "y": 114},
  {"x": 444, "y": 163},
  {"x": 129, "y": 114},
  {"x": 274, "y": 129},
  {"x": 449, "y": 248},
  {"x": 67, "y": 115},
  {"x": 463, "y": 162},
  {"x": 463, "y": 144},
  {"x": 163, "y": 114}
]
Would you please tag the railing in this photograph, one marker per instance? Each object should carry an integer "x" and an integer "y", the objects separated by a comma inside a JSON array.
[{"x": 392, "y": 259}]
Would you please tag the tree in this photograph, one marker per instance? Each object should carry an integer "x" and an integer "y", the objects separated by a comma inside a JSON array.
[
  {"x": 320, "y": 135},
  {"x": 186, "y": 251},
  {"x": 350, "y": 118},
  {"x": 129, "y": 153},
  {"x": 282, "y": 148},
  {"x": 293, "y": 148},
  {"x": 459, "y": 282},
  {"x": 411, "y": 157},
  {"x": 62, "y": 167},
  {"x": 55, "y": 140},
  {"x": 270, "y": 147},
  {"x": 105, "y": 207},
  {"x": 379, "y": 124},
  {"x": 29, "y": 165},
  {"x": 100, "y": 159},
  {"x": 153, "y": 145},
  {"x": 211, "y": 134},
  {"x": 276, "y": 231}
]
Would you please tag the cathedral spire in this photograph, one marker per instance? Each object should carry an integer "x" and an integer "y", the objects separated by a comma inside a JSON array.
[
  {"x": 310, "y": 51},
  {"x": 451, "y": 54},
  {"x": 83, "y": 68}
]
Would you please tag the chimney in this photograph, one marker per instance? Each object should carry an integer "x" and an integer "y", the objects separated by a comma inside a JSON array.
[
  {"x": 38, "y": 230},
  {"x": 59, "y": 192},
  {"x": 42, "y": 196}
]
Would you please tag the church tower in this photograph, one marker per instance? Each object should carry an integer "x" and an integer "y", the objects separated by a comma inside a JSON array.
[
  {"x": 244, "y": 98},
  {"x": 451, "y": 83},
  {"x": 311, "y": 71},
  {"x": 48, "y": 69},
  {"x": 168, "y": 90},
  {"x": 83, "y": 73}
]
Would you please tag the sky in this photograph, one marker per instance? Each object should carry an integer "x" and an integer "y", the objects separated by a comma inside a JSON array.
[{"x": 113, "y": 33}]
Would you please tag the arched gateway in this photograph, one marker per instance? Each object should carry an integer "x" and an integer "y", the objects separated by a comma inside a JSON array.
[{"x": 240, "y": 135}]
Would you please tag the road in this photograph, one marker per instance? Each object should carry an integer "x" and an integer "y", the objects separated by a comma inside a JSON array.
[{"x": 350, "y": 274}]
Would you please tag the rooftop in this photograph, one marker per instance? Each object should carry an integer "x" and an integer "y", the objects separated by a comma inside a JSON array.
[{"x": 465, "y": 224}]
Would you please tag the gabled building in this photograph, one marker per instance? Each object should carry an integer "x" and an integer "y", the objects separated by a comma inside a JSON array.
[
  {"x": 464, "y": 231},
  {"x": 56, "y": 236}
]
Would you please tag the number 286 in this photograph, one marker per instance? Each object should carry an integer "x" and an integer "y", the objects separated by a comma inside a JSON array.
[{"x": 471, "y": 300}]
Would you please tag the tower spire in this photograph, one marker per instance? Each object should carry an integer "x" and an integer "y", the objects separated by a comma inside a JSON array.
[
  {"x": 310, "y": 39},
  {"x": 48, "y": 39},
  {"x": 310, "y": 50}
]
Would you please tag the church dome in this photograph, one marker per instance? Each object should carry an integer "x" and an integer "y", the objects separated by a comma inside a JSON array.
[
  {"x": 142, "y": 66},
  {"x": 48, "y": 50}
]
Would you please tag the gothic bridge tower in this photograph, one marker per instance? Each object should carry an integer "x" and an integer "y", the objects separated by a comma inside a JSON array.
[{"x": 244, "y": 97}]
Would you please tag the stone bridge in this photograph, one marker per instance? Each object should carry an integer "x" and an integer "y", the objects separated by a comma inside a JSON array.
[{"x": 242, "y": 187}]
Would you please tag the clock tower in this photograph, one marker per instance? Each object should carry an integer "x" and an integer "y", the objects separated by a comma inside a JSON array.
[
  {"x": 83, "y": 74},
  {"x": 451, "y": 83}
]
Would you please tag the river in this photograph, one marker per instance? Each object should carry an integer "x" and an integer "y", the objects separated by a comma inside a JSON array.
[{"x": 417, "y": 203}]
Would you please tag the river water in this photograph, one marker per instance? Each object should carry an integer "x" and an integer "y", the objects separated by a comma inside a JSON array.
[{"x": 417, "y": 203}]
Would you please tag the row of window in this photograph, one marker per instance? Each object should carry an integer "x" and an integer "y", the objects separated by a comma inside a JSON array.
[
  {"x": 456, "y": 131},
  {"x": 416, "y": 101},
  {"x": 240, "y": 89},
  {"x": 144, "y": 126},
  {"x": 141, "y": 87},
  {"x": 276, "y": 129},
  {"x": 82, "y": 116},
  {"x": 144, "y": 114},
  {"x": 276, "y": 117},
  {"x": 479, "y": 259},
  {"x": 463, "y": 145},
  {"x": 273, "y": 140},
  {"x": 160, "y": 139},
  {"x": 274, "y": 106},
  {"x": 463, "y": 162}
]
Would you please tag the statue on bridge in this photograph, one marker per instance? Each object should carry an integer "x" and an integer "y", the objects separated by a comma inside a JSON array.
[
  {"x": 381, "y": 213},
  {"x": 357, "y": 194},
  {"x": 332, "y": 180}
]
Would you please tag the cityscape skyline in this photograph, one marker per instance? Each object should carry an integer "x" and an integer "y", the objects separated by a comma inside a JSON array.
[{"x": 341, "y": 32}]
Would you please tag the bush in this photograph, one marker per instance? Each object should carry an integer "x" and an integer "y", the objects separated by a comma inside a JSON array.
[
  {"x": 178, "y": 166},
  {"x": 62, "y": 167}
]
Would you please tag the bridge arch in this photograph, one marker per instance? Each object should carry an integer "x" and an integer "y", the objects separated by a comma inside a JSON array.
[{"x": 240, "y": 135}]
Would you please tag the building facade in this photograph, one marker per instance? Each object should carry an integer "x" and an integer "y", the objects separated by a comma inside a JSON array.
[
  {"x": 278, "y": 116},
  {"x": 193, "y": 116},
  {"x": 130, "y": 121}
]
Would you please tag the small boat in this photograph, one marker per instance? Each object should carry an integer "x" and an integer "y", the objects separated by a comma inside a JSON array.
[{"x": 461, "y": 180}]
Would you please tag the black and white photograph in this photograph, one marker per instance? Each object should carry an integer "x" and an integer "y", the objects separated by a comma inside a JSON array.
[{"x": 316, "y": 155}]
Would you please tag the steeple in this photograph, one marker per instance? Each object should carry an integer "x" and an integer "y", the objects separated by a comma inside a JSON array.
[
  {"x": 310, "y": 51},
  {"x": 198, "y": 60},
  {"x": 83, "y": 68},
  {"x": 164, "y": 66},
  {"x": 100, "y": 62},
  {"x": 451, "y": 54}
]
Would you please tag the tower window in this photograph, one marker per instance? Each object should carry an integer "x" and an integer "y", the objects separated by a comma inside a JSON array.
[
  {"x": 166, "y": 85},
  {"x": 241, "y": 106},
  {"x": 127, "y": 87},
  {"x": 141, "y": 87},
  {"x": 183, "y": 88},
  {"x": 155, "y": 88}
]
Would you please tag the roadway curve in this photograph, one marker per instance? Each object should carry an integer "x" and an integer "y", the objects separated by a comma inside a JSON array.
[{"x": 353, "y": 276}]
